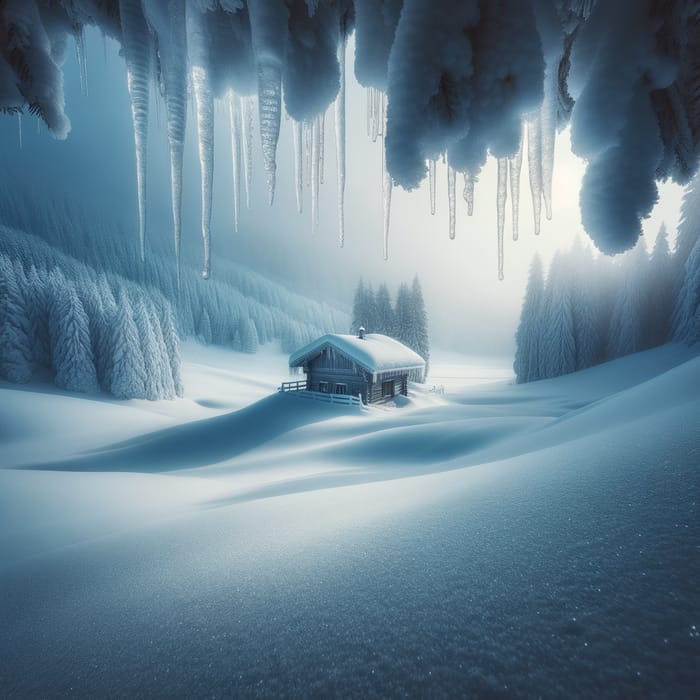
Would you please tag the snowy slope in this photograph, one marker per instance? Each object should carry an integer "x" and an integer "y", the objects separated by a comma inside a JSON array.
[{"x": 499, "y": 539}]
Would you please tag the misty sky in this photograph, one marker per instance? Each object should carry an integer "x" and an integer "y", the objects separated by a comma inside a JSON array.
[{"x": 468, "y": 307}]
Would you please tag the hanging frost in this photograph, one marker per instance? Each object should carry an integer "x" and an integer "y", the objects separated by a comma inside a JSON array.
[
  {"x": 198, "y": 49},
  {"x": 247, "y": 136},
  {"x": 168, "y": 22},
  {"x": 298, "y": 164},
  {"x": 432, "y": 166},
  {"x": 514, "y": 167},
  {"x": 315, "y": 170},
  {"x": 19, "y": 128},
  {"x": 534, "y": 166},
  {"x": 321, "y": 144},
  {"x": 268, "y": 24},
  {"x": 205, "y": 134},
  {"x": 269, "y": 111},
  {"x": 387, "y": 183},
  {"x": 468, "y": 193},
  {"x": 501, "y": 196},
  {"x": 234, "y": 113},
  {"x": 137, "y": 52},
  {"x": 451, "y": 195},
  {"x": 340, "y": 141},
  {"x": 308, "y": 138},
  {"x": 82, "y": 60},
  {"x": 548, "y": 132}
]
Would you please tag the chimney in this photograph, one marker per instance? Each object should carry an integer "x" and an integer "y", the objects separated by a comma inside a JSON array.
[{"x": 361, "y": 332}]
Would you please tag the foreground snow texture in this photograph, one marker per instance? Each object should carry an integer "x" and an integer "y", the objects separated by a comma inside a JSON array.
[
  {"x": 459, "y": 78},
  {"x": 532, "y": 540}
]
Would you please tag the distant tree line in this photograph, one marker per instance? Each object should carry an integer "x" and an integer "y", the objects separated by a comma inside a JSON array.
[
  {"x": 63, "y": 322},
  {"x": 236, "y": 308},
  {"x": 593, "y": 310},
  {"x": 406, "y": 320}
]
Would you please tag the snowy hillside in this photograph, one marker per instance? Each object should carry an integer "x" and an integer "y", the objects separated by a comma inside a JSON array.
[{"x": 496, "y": 539}]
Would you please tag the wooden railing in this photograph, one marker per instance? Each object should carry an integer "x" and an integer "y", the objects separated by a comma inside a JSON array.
[
  {"x": 293, "y": 386},
  {"x": 346, "y": 399},
  {"x": 299, "y": 389}
]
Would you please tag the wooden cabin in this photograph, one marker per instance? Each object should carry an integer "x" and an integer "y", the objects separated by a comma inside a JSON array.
[{"x": 372, "y": 366}]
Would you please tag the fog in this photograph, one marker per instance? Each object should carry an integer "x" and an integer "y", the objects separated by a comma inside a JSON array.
[{"x": 468, "y": 308}]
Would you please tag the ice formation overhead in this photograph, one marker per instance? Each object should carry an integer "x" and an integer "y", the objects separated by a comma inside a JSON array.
[{"x": 445, "y": 77}]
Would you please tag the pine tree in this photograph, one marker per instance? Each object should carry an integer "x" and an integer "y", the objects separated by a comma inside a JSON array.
[
  {"x": 104, "y": 333},
  {"x": 403, "y": 314},
  {"x": 659, "y": 293},
  {"x": 559, "y": 345},
  {"x": 166, "y": 385},
  {"x": 420, "y": 342},
  {"x": 128, "y": 375},
  {"x": 149, "y": 350},
  {"x": 15, "y": 328},
  {"x": 686, "y": 320},
  {"x": 204, "y": 332},
  {"x": 385, "y": 312},
  {"x": 71, "y": 350},
  {"x": 626, "y": 334},
  {"x": 39, "y": 319},
  {"x": 528, "y": 337},
  {"x": 249, "y": 335},
  {"x": 172, "y": 345},
  {"x": 585, "y": 305}
]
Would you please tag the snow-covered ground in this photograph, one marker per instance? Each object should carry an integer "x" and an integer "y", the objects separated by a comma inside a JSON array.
[{"x": 478, "y": 538}]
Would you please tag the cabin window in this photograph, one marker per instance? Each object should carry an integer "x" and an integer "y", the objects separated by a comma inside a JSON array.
[
  {"x": 387, "y": 388},
  {"x": 323, "y": 386},
  {"x": 341, "y": 388}
]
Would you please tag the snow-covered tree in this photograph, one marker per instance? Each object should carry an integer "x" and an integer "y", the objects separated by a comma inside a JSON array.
[
  {"x": 528, "y": 337},
  {"x": 71, "y": 349},
  {"x": 172, "y": 345},
  {"x": 149, "y": 350},
  {"x": 585, "y": 306},
  {"x": 39, "y": 318},
  {"x": 403, "y": 314},
  {"x": 626, "y": 333},
  {"x": 128, "y": 375},
  {"x": 204, "y": 332},
  {"x": 419, "y": 327},
  {"x": 15, "y": 329},
  {"x": 559, "y": 343},
  {"x": 249, "y": 335},
  {"x": 686, "y": 320},
  {"x": 385, "y": 312},
  {"x": 659, "y": 293}
]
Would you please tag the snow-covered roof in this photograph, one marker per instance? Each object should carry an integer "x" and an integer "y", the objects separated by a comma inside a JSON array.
[{"x": 374, "y": 353}]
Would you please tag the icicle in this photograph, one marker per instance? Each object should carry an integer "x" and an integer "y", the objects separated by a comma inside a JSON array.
[
  {"x": 374, "y": 97},
  {"x": 534, "y": 165},
  {"x": 514, "y": 166},
  {"x": 321, "y": 143},
  {"x": 451, "y": 187},
  {"x": 204, "y": 100},
  {"x": 468, "y": 193},
  {"x": 234, "y": 113},
  {"x": 82, "y": 60},
  {"x": 432, "y": 166},
  {"x": 548, "y": 133},
  {"x": 315, "y": 171},
  {"x": 308, "y": 138},
  {"x": 173, "y": 55},
  {"x": 269, "y": 111},
  {"x": 298, "y": 165},
  {"x": 19, "y": 128},
  {"x": 501, "y": 196},
  {"x": 387, "y": 184},
  {"x": 340, "y": 142},
  {"x": 137, "y": 52},
  {"x": 247, "y": 136}
]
